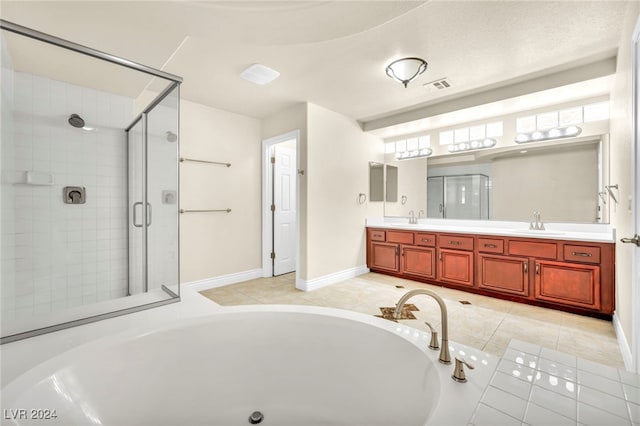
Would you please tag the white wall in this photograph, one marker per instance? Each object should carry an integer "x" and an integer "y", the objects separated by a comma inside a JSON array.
[
  {"x": 217, "y": 244},
  {"x": 63, "y": 255},
  {"x": 621, "y": 170},
  {"x": 338, "y": 156},
  {"x": 288, "y": 120}
]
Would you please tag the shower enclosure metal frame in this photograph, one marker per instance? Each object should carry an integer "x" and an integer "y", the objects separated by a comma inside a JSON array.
[
  {"x": 146, "y": 206},
  {"x": 175, "y": 82}
]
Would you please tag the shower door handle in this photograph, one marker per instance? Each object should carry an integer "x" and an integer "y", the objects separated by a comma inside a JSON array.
[
  {"x": 139, "y": 203},
  {"x": 148, "y": 214},
  {"x": 135, "y": 220}
]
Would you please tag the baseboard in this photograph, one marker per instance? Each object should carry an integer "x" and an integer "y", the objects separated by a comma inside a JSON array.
[
  {"x": 223, "y": 280},
  {"x": 316, "y": 283},
  {"x": 625, "y": 349}
]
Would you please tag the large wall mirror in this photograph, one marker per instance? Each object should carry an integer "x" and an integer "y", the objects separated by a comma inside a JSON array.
[{"x": 565, "y": 181}]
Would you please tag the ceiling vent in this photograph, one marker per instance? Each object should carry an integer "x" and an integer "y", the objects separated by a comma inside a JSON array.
[
  {"x": 259, "y": 74},
  {"x": 439, "y": 84}
]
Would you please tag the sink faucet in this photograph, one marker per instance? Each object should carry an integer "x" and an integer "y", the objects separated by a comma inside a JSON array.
[
  {"x": 538, "y": 226},
  {"x": 412, "y": 217},
  {"x": 420, "y": 214},
  {"x": 444, "y": 358}
]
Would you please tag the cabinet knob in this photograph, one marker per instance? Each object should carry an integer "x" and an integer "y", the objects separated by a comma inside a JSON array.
[
  {"x": 525, "y": 266},
  {"x": 537, "y": 269}
]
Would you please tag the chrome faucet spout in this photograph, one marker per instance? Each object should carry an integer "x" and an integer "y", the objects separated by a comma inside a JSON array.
[
  {"x": 412, "y": 217},
  {"x": 445, "y": 357}
]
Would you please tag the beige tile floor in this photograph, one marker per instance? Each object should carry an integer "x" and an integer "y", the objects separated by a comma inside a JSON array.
[{"x": 487, "y": 324}]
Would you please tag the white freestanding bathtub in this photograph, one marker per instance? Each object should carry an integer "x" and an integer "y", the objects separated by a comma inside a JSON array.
[{"x": 295, "y": 365}]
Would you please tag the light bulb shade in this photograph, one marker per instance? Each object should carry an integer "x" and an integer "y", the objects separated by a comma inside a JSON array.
[
  {"x": 406, "y": 69},
  {"x": 543, "y": 135},
  {"x": 473, "y": 145},
  {"x": 418, "y": 153}
]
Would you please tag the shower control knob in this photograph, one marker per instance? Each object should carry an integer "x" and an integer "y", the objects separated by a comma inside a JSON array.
[{"x": 256, "y": 417}]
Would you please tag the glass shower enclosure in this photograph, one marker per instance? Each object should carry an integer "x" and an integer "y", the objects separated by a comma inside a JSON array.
[
  {"x": 458, "y": 197},
  {"x": 89, "y": 193}
]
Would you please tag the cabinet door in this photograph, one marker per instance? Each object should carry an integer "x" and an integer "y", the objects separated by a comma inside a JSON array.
[
  {"x": 419, "y": 261},
  {"x": 456, "y": 267},
  {"x": 568, "y": 283},
  {"x": 385, "y": 256},
  {"x": 504, "y": 274}
]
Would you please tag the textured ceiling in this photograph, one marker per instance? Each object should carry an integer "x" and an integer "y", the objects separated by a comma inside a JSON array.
[{"x": 331, "y": 53}]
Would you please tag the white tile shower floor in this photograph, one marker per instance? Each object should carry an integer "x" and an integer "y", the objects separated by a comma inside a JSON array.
[{"x": 486, "y": 323}]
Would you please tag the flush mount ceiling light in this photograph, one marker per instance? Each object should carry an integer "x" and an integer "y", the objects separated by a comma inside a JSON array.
[
  {"x": 418, "y": 153},
  {"x": 259, "y": 74},
  {"x": 467, "y": 146},
  {"x": 406, "y": 69},
  {"x": 543, "y": 135}
]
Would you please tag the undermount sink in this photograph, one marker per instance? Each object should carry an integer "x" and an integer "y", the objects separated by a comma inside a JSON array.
[{"x": 537, "y": 232}]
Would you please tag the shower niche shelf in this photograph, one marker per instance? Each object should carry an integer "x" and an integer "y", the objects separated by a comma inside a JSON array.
[{"x": 29, "y": 177}]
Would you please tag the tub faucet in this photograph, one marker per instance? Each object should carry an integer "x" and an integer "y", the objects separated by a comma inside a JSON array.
[
  {"x": 538, "y": 226},
  {"x": 444, "y": 358},
  {"x": 412, "y": 217}
]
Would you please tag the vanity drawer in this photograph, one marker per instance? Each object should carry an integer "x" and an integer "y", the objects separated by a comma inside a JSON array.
[
  {"x": 400, "y": 237},
  {"x": 423, "y": 239},
  {"x": 377, "y": 235},
  {"x": 490, "y": 245},
  {"x": 455, "y": 242},
  {"x": 586, "y": 254},
  {"x": 531, "y": 249}
]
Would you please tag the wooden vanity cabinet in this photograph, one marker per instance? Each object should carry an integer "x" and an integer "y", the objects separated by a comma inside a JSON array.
[
  {"x": 504, "y": 274},
  {"x": 384, "y": 256},
  {"x": 568, "y": 284},
  {"x": 455, "y": 267},
  {"x": 384, "y": 249},
  {"x": 418, "y": 261},
  {"x": 568, "y": 275}
]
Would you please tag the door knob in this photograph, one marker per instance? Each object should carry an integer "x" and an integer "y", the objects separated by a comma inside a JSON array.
[{"x": 635, "y": 240}]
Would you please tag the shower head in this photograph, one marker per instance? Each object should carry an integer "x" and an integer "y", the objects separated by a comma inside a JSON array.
[
  {"x": 76, "y": 121},
  {"x": 171, "y": 137}
]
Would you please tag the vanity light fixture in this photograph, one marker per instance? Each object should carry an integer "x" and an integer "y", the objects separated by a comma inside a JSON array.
[
  {"x": 418, "y": 153},
  {"x": 405, "y": 70},
  {"x": 543, "y": 135},
  {"x": 476, "y": 144}
]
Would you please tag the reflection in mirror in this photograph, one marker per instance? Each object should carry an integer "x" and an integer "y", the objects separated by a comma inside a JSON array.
[
  {"x": 561, "y": 180},
  {"x": 411, "y": 178},
  {"x": 458, "y": 197},
  {"x": 392, "y": 184},
  {"x": 376, "y": 181}
]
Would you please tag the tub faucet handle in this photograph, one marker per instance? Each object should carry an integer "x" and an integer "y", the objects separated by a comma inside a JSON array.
[
  {"x": 458, "y": 372},
  {"x": 433, "y": 344}
]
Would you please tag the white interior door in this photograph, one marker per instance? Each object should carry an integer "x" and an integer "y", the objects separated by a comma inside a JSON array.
[{"x": 284, "y": 212}]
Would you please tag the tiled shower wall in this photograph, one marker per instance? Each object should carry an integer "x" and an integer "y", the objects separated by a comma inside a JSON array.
[{"x": 54, "y": 255}]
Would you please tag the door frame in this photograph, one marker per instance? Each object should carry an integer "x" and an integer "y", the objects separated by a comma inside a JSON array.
[
  {"x": 635, "y": 202},
  {"x": 267, "y": 196}
]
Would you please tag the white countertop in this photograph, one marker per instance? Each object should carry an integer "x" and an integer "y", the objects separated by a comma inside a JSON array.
[{"x": 596, "y": 232}]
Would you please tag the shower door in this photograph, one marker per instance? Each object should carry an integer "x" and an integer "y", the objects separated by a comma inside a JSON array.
[
  {"x": 152, "y": 198},
  {"x": 458, "y": 197}
]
